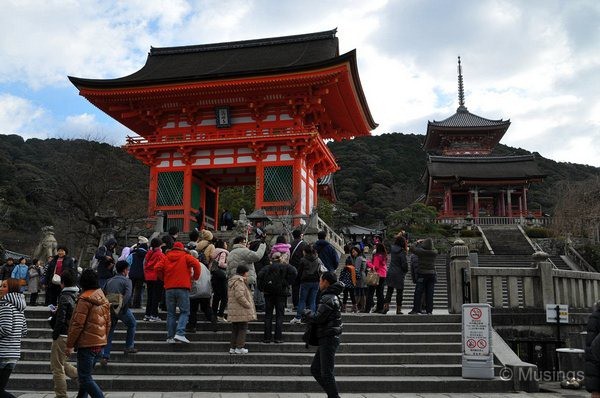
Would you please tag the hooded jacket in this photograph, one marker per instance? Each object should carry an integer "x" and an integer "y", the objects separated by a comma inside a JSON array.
[
  {"x": 592, "y": 352},
  {"x": 106, "y": 267},
  {"x": 328, "y": 317},
  {"x": 240, "y": 304},
  {"x": 327, "y": 254},
  {"x": 90, "y": 322},
  {"x": 426, "y": 254},
  {"x": 397, "y": 268},
  {"x": 136, "y": 269},
  {"x": 284, "y": 249},
  {"x": 153, "y": 258},
  {"x": 64, "y": 311},
  {"x": 205, "y": 244},
  {"x": 13, "y": 325},
  {"x": 176, "y": 268},
  {"x": 239, "y": 255}
]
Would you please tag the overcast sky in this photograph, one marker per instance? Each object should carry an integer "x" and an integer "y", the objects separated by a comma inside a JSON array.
[{"x": 535, "y": 62}]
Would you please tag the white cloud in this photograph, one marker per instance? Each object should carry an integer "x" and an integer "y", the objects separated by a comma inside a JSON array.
[
  {"x": 536, "y": 62},
  {"x": 20, "y": 116}
]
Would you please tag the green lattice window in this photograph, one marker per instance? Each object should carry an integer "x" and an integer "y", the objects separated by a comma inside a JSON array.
[
  {"x": 278, "y": 184},
  {"x": 170, "y": 188}
]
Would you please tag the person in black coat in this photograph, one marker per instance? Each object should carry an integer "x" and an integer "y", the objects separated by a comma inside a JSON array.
[
  {"x": 60, "y": 326},
  {"x": 328, "y": 321},
  {"x": 275, "y": 296},
  {"x": 60, "y": 263},
  {"x": 396, "y": 274},
  {"x": 592, "y": 353}
]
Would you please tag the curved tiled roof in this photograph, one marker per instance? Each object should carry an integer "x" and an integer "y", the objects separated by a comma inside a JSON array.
[
  {"x": 464, "y": 118},
  {"x": 483, "y": 167},
  {"x": 229, "y": 59}
]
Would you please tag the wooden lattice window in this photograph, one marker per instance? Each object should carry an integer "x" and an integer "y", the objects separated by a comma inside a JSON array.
[
  {"x": 278, "y": 184},
  {"x": 170, "y": 188}
]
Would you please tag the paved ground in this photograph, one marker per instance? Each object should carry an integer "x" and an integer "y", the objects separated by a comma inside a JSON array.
[{"x": 553, "y": 394}]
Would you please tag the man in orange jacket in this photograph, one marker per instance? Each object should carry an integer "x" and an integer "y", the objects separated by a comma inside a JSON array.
[{"x": 177, "y": 270}]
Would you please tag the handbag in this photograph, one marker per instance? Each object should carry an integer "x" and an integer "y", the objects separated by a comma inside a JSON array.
[
  {"x": 372, "y": 278},
  {"x": 55, "y": 278}
]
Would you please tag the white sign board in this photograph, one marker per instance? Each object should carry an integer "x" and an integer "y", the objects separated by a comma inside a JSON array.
[
  {"x": 476, "y": 330},
  {"x": 563, "y": 310}
]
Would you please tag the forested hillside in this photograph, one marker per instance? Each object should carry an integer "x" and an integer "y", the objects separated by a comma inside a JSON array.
[
  {"x": 381, "y": 174},
  {"x": 67, "y": 182}
]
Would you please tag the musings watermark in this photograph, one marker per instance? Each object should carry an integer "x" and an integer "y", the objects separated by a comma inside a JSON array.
[{"x": 531, "y": 374}]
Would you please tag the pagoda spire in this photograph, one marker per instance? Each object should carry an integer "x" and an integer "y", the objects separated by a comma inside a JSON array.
[{"x": 461, "y": 90}]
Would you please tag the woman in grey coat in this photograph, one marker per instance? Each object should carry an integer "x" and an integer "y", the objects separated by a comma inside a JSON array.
[{"x": 360, "y": 267}]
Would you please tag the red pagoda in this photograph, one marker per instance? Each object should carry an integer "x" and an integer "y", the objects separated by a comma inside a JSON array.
[
  {"x": 462, "y": 176},
  {"x": 252, "y": 112}
]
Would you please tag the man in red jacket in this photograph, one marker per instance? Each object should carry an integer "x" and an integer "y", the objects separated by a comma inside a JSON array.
[{"x": 177, "y": 270}]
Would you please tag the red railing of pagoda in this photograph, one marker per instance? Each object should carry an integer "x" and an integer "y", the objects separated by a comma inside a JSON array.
[{"x": 168, "y": 137}]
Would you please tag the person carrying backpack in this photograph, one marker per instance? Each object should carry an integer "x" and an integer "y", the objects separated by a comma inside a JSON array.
[
  {"x": 274, "y": 281},
  {"x": 136, "y": 270},
  {"x": 309, "y": 271},
  {"x": 118, "y": 291}
]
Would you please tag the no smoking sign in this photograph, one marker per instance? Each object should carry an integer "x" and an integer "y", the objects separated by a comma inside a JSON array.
[{"x": 475, "y": 313}]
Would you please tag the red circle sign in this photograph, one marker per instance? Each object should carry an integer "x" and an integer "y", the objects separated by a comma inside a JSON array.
[
  {"x": 471, "y": 343},
  {"x": 475, "y": 313},
  {"x": 481, "y": 343}
]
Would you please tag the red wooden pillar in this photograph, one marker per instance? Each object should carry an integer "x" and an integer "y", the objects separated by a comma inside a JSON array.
[
  {"x": 297, "y": 186},
  {"x": 525, "y": 210},
  {"x": 152, "y": 191},
  {"x": 217, "y": 217},
  {"x": 187, "y": 196},
  {"x": 260, "y": 184}
]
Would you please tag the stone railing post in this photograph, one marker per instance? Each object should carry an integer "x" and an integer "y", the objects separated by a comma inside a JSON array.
[
  {"x": 546, "y": 285},
  {"x": 459, "y": 266}
]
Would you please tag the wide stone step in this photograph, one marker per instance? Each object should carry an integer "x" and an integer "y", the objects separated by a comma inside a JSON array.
[
  {"x": 257, "y": 335},
  {"x": 226, "y": 327},
  {"x": 243, "y": 369},
  {"x": 256, "y": 346},
  {"x": 281, "y": 384},
  {"x": 44, "y": 313},
  {"x": 223, "y": 357}
]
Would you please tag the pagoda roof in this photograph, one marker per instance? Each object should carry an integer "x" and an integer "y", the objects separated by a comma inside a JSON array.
[
  {"x": 465, "y": 119},
  {"x": 483, "y": 168},
  {"x": 226, "y": 60}
]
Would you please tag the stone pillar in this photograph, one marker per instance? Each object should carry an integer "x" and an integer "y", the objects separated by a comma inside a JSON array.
[
  {"x": 509, "y": 202},
  {"x": 476, "y": 203},
  {"x": 525, "y": 210},
  {"x": 459, "y": 255},
  {"x": 546, "y": 285}
]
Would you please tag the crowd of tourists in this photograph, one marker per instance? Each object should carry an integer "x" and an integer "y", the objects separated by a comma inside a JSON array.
[{"x": 229, "y": 285}]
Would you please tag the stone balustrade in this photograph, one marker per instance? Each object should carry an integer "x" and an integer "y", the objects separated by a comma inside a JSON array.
[{"x": 517, "y": 287}]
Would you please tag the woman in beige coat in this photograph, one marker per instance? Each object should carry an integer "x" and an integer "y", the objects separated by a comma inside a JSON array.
[{"x": 240, "y": 309}]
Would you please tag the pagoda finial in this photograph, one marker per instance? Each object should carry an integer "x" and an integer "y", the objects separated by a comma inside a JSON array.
[{"x": 461, "y": 89}]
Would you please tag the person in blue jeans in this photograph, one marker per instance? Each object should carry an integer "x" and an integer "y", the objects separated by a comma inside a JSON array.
[
  {"x": 177, "y": 270},
  {"x": 120, "y": 284},
  {"x": 328, "y": 323},
  {"x": 88, "y": 330},
  {"x": 309, "y": 271}
]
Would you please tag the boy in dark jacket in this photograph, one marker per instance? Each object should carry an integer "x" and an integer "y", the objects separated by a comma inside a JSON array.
[
  {"x": 274, "y": 281},
  {"x": 328, "y": 321},
  {"x": 58, "y": 360}
]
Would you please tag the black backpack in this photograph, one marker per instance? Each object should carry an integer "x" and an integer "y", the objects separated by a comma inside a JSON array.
[{"x": 274, "y": 282}]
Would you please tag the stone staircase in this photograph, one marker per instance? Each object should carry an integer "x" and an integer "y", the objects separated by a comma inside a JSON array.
[
  {"x": 507, "y": 240},
  {"x": 379, "y": 353}
]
